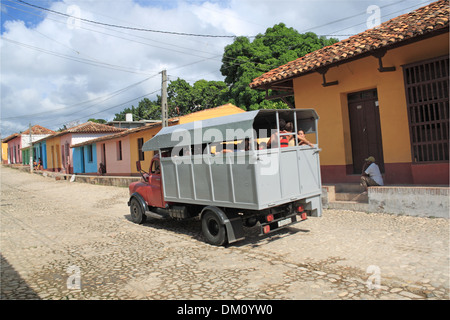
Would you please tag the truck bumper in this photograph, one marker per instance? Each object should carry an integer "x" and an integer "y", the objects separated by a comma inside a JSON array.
[{"x": 283, "y": 222}]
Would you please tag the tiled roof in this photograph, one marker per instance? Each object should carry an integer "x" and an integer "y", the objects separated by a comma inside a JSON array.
[
  {"x": 147, "y": 127},
  {"x": 90, "y": 127},
  {"x": 10, "y": 137},
  {"x": 37, "y": 129},
  {"x": 120, "y": 134},
  {"x": 397, "y": 31}
]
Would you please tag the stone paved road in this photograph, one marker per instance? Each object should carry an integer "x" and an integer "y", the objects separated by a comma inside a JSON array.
[{"x": 56, "y": 235}]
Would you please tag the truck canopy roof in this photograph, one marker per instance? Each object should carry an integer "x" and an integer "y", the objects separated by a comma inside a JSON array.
[{"x": 241, "y": 124}]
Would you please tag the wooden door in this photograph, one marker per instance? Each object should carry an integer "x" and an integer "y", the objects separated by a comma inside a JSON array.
[{"x": 365, "y": 129}]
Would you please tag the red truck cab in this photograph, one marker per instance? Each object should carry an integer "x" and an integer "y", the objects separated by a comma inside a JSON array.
[{"x": 148, "y": 190}]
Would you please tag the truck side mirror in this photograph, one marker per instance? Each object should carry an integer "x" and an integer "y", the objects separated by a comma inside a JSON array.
[{"x": 138, "y": 165}]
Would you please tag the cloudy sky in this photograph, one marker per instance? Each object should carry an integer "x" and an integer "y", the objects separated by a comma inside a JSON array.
[{"x": 63, "y": 62}]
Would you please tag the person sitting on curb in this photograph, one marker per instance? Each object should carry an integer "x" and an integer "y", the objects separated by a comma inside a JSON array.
[{"x": 371, "y": 175}]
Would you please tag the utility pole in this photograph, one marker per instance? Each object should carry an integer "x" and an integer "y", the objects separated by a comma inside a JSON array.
[
  {"x": 164, "y": 111},
  {"x": 31, "y": 152}
]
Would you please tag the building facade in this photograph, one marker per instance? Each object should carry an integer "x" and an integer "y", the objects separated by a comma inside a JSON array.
[
  {"x": 381, "y": 93},
  {"x": 118, "y": 153}
]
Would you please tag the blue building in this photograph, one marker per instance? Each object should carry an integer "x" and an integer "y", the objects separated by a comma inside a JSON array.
[
  {"x": 85, "y": 159},
  {"x": 40, "y": 152}
]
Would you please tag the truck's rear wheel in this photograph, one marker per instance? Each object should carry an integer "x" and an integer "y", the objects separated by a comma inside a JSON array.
[
  {"x": 213, "y": 229},
  {"x": 137, "y": 212}
]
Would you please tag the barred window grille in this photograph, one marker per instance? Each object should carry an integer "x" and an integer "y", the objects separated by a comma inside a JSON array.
[{"x": 426, "y": 85}]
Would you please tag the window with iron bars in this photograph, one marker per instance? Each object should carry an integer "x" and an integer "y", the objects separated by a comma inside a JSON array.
[{"x": 426, "y": 87}]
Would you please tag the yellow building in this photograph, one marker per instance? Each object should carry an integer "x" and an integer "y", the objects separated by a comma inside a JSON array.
[
  {"x": 4, "y": 153},
  {"x": 53, "y": 153},
  {"x": 139, "y": 138},
  {"x": 381, "y": 93},
  {"x": 119, "y": 152}
]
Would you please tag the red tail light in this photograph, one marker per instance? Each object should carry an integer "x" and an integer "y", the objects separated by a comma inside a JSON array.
[
  {"x": 266, "y": 229},
  {"x": 303, "y": 215},
  {"x": 269, "y": 217},
  {"x": 300, "y": 209}
]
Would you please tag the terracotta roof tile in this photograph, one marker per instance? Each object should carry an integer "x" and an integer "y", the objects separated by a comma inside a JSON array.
[
  {"x": 90, "y": 127},
  {"x": 422, "y": 21},
  {"x": 10, "y": 137},
  {"x": 122, "y": 134},
  {"x": 37, "y": 129},
  {"x": 146, "y": 127}
]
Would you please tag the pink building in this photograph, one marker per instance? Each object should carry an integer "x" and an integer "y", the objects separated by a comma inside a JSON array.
[
  {"x": 113, "y": 151},
  {"x": 14, "y": 142},
  {"x": 18, "y": 141},
  {"x": 78, "y": 134}
]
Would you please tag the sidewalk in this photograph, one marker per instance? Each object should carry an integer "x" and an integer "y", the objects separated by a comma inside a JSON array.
[{"x": 411, "y": 200}]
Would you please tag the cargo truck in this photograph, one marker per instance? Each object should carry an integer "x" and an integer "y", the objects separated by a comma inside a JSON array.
[{"x": 220, "y": 171}]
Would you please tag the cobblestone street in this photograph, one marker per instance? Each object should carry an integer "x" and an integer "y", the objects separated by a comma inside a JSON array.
[{"x": 63, "y": 240}]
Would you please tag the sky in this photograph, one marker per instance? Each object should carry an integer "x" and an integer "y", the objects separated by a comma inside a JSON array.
[{"x": 63, "y": 62}]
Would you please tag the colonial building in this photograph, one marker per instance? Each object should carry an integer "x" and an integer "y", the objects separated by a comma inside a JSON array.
[
  {"x": 381, "y": 93},
  {"x": 118, "y": 153},
  {"x": 59, "y": 153},
  {"x": 19, "y": 144}
]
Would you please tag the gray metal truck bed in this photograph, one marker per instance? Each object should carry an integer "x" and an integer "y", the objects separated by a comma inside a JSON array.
[{"x": 252, "y": 179}]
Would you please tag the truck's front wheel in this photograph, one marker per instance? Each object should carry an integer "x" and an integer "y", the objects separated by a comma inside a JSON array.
[
  {"x": 137, "y": 212},
  {"x": 213, "y": 229}
]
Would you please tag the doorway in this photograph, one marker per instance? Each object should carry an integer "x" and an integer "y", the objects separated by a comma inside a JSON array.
[
  {"x": 82, "y": 168},
  {"x": 103, "y": 156},
  {"x": 365, "y": 128}
]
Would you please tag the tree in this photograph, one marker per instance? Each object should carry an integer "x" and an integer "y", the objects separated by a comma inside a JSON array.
[
  {"x": 146, "y": 110},
  {"x": 244, "y": 60},
  {"x": 102, "y": 121},
  {"x": 183, "y": 98}
]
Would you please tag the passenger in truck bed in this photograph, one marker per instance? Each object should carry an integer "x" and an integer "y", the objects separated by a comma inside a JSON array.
[
  {"x": 283, "y": 140},
  {"x": 302, "y": 139}
]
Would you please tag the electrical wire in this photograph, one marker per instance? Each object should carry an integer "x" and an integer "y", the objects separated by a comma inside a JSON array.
[
  {"x": 54, "y": 124},
  {"x": 126, "y": 27},
  {"x": 77, "y": 59},
  {"x": 167, "y": 32},
  {"x": 188, "y": 52},
  {"x": 103, "y": 99}
]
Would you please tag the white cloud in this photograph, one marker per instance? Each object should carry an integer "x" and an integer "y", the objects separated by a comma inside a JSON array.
[{"x": 50, "y": 62}]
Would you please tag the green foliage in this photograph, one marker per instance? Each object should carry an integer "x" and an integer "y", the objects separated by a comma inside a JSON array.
[
  {"x": 183, "y": 98},
  {"x": 102, "y": 121},
  {"x": 146, "y": 110},
  {"x": 242, "y": 62}
]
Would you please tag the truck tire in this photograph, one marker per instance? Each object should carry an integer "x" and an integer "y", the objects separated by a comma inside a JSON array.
[
  {"x": 213, "y": 229},
  {"x": 137, "y": 212}
]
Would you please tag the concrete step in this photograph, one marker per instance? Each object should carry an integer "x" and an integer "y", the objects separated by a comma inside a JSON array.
[
  {"x": 351, "y": 196},
  {"x": 348, "y": 188},
  {"x": 348, "y": 205}
]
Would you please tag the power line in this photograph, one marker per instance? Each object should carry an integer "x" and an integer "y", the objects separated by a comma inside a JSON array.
[
  {"x": 130, "y": 28},
  {"x": 103, "y": 99},
  {"x": 77, "y": 59},
  {"x": 49, "y": 122},
  {"x": 163, "y": 31},
  {"x": 189, "y": 52},
  {"x": 385, "y": 15},
  {"x": 126, "y": 27}
]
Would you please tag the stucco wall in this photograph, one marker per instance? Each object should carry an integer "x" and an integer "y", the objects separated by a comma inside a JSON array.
[
  {"x": 113, "y": 164},
  {"x": 332, "y": 106}
]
